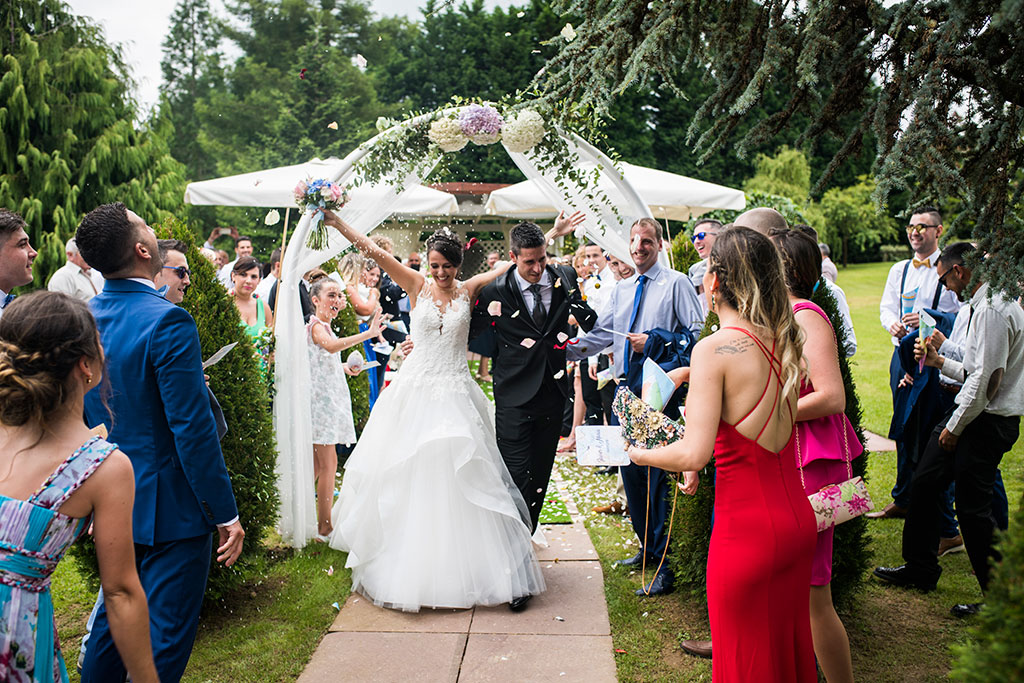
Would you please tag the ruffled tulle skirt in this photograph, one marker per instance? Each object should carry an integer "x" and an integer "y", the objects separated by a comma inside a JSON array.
[{"x": 428, "y": 512}]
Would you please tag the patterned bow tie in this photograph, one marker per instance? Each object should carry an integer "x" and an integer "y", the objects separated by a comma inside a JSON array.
[{"x": 927, "y": 263}]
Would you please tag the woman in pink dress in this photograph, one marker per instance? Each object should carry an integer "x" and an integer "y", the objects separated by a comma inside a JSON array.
[{"x": 825, "y": 442}]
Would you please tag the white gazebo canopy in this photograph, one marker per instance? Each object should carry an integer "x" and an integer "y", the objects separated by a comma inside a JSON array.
[
  {"x": 667, "y": 195},
  {"x": 272, "y": 188}
]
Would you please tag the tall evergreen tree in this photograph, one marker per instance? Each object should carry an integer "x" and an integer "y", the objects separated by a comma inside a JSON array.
[
  {"x": 68, "y": 139},
  {"x": 936, "y": 83}
]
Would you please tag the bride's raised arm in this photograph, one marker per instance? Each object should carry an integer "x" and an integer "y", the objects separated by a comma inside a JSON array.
[{"x": 408, "y": 279}]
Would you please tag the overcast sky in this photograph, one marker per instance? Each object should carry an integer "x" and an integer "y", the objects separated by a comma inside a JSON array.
[{"x": 140, "y": 26}]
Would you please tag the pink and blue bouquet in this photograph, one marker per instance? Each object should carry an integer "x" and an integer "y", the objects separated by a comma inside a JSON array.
[{"x": 318, "y": 195}]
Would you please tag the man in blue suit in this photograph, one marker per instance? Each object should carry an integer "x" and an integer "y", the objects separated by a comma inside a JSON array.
[{"x": 159, "y": 414}]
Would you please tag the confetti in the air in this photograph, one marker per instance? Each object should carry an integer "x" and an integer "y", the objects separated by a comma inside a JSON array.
[
  {"x": 520, "y": 15},
  {"x": 561, "y": 337},
  {"x": 515, "y": 315},
  {"x": 528, "y": 343},
  {"x": 568, "y": 32},
  {"x": 560, "y": 374},
  {"x": 359, "y": 61},
  {"x": 333, "y": 125},
  {"x": 302, "y": 74},
  {"x": 494, "y": 308},
  {"x": 272, "y": 217}
]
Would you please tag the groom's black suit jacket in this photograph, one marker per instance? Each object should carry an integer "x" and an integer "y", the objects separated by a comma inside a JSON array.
[{"x": 518, "y": 371}]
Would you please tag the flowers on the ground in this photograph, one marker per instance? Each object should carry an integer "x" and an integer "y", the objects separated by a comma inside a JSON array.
[
  {"x": 447, "y": 134},
  {"x": 481, "y": 123},
  {"x": 523, "y": 132},
  {"x": 317, "y": 195}
]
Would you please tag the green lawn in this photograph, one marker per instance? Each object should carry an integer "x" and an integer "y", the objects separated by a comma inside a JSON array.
[{"x": 268, "y": 630}]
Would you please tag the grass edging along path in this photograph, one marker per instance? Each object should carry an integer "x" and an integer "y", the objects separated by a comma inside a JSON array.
[{"x": 268, "y": 631}]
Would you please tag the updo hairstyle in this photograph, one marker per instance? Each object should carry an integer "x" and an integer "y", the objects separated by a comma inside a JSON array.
[
  {"x": 801, "y": 259},
  {"x": 43, "y": 335},
  {"x": 447, "y": 244},
  {"x": 244, "y": 264}
]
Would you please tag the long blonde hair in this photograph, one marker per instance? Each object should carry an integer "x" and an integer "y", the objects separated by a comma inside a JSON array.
[
  {"x": 751, "y": 279},
  {"x": 351, "y": 267}
]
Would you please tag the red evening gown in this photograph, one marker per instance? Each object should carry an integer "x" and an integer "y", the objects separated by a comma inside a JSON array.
[{"x": 759, "y": 563}]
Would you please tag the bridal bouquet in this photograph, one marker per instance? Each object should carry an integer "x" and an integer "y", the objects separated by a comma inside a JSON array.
[{"x": 318, "y": 195}]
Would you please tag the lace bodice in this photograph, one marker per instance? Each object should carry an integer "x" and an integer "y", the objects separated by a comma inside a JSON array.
[{"x": 439, "y": 337}]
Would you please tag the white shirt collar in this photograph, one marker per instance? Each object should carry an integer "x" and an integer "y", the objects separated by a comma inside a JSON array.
[
  {"x": 3, "y": 295},
  {"x": 524, "y": 284},
  {"x": 143, "y": 280}
]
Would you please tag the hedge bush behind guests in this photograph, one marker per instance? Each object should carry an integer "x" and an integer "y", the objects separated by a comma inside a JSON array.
[
  {"x": 825, "y": 437},
  {"x": 59, "y": 478},
  {"x": 160, "y": 415}
]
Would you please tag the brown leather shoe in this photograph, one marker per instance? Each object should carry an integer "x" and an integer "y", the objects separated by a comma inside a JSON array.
[
  {"x": 697, "y": 648},
  {"x": 890, "y": 511},
  {"x": 948, "y": 546},
  {"x": 613, "y": 508}
]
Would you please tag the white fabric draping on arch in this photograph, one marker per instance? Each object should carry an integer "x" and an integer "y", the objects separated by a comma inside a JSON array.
[{"x": 292, "y": 422}]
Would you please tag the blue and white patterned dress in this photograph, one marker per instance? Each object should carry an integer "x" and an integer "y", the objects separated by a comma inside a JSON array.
[{"x": 33, "y": 538}]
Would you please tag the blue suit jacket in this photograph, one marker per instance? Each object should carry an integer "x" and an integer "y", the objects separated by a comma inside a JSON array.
[{"x": 161, "y": 414}]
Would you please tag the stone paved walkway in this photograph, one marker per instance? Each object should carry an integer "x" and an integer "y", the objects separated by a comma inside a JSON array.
[{"x": 563, "y": 635}]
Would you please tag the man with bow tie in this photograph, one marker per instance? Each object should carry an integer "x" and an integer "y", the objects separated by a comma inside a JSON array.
[
  {"x": 912, "y": 286},
  {"x": 16, "y": 256}
]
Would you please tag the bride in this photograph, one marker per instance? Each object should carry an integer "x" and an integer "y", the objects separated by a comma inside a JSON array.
[{"x": 428, "y": 512}]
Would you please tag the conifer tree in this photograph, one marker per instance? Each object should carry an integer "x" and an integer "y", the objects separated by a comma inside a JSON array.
[
  {"x": 68, "y": 137},
  {"x": 936, "y": 83}
]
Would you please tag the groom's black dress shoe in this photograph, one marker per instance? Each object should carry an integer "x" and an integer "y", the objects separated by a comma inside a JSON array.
[
  {"x": 634, "y": 561},
  {"x": 519, "y": 604},
  {"x": 966, "y": 609},
  {"x": 904, "y": 576},
  {"x": 660, "y": 585}
]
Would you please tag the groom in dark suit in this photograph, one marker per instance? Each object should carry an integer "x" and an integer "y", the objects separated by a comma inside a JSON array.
[
  {"x": 531, "y": 321},
  {"x": 159, "y": 414}
]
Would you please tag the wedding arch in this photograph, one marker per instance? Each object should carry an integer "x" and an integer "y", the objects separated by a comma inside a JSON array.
[{"x": 566, "y": 167}]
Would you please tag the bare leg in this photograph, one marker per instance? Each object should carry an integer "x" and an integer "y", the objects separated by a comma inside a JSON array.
[
  {"x": 831, "y": 644},
  {"x": 579, "y": 411},
  {"x": 325, "y": 467},
  {"x": 482, "y": 372}
]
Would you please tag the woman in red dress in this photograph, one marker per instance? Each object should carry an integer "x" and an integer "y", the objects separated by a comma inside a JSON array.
[{"x": 741, "y": 406}]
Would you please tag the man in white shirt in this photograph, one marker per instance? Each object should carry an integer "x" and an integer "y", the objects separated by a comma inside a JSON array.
[
  {"x": 597, "y": 291},
  {"x": 912, "y": 285},
  {"x": 705, "y": 232},
  {"x": 828, "y": 268},
  {"x": 76, "y": 277},
  {"x": 16, "y": 256},
  {"x": 967, "y": 446},
  {"x": 267, "y": 283},
  {"x": 243, "y": 247}
]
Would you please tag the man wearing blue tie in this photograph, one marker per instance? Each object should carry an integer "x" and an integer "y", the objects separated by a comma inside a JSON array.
[
  {"x": 159, "y": 414},
  {"x": 661, "y": 301},
  {"x": 16, "y": 256}
]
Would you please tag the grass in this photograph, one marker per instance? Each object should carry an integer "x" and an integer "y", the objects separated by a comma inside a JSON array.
[{"x": 268, "y": 630}]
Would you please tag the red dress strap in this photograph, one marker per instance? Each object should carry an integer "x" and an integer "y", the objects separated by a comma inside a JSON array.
[{"x": 772, "y": 361}]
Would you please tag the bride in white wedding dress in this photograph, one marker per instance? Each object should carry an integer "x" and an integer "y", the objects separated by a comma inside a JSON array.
[{"x": 428, "y": 512}]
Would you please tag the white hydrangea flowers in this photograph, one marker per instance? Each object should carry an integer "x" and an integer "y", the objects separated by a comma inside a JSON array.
[{"x": 523, "y": 132}]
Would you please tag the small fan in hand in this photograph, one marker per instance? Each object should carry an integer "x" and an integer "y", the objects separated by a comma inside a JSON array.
[{"x": 318, "y": 195}]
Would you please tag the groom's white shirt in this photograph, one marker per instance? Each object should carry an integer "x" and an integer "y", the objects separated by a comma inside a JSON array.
[{"x": 545, "y": 290}]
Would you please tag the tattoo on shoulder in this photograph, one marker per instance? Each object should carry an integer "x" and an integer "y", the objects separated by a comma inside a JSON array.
[{"x": 734, "y": 347}]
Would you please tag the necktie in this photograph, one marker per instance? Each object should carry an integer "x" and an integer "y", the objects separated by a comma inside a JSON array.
[
  {"x": 917, "y": 263},
  {"x": 641, "y": 282},
  {"x": 540, "y": 315},
  {"x": 8, "y": 299}
]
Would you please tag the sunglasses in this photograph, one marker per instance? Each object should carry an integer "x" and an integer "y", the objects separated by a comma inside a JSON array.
[
  {"x": 700, "y": 235},
  {"x": 942, "y": 278},
  {"x": 181, "y": 271},
  {"x": 919, "y": 228}
]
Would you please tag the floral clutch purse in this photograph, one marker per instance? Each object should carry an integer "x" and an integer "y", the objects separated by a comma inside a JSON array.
[
  {"x": 642, "y": 425},
  {"x": 837, "y": 503}
]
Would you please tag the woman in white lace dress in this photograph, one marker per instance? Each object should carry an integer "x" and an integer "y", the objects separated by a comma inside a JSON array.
[
  {"x": 330, "y": 402},
  {"x": 428, "y": 512}
]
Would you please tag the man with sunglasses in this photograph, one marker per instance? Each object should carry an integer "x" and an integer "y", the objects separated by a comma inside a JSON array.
[
  {"x": 705, "y": 232},
  {"x": 175, "y": 274},
  {"x": 968, "y": 444},
  {"x": 913, "y": 285}
]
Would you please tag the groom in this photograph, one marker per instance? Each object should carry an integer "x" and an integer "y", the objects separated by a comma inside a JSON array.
[{"x": 529, "y": 307}]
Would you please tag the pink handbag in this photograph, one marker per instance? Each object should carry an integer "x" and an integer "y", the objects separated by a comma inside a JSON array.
[{"x": 837, "y": 503}]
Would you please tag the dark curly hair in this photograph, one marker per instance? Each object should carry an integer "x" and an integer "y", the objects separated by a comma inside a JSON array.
[
  {"x": 43, "y": 335},
  {"x": 106, "y": 238},
  {"x": 447, "y": 244}
]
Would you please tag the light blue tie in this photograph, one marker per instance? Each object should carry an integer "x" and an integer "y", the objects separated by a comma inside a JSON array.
[
  {"x": 641, "y": 282},
  {"x": 8, "y": 299}
]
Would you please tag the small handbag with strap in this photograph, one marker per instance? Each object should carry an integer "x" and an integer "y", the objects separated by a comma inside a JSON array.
[{"x": 837, "y": 503}]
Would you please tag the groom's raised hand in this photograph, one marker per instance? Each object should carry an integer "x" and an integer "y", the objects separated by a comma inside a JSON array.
[{"x": 563, "y": 226}]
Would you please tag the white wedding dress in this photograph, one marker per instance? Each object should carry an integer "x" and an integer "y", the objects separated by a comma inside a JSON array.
[{"x": 428, "y": 512}]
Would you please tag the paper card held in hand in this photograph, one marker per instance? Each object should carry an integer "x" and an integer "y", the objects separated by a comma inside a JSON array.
[
  {"x": 657, "y": 387},
  {"x": 219, "y": 356},
  {"x": 600, "y": 446},
  {"x": 926, "y": 330}
]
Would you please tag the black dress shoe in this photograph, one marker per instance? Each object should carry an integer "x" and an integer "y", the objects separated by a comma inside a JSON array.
[
  {"x": 697, "y": 648},
  {"x": 519, "y": 604},
  {"x": 634, "y": 561},
  {"x": 904, "y": 576},
  {"x": 660, "y": 585},
  {"x": 968, "y": 609}
]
